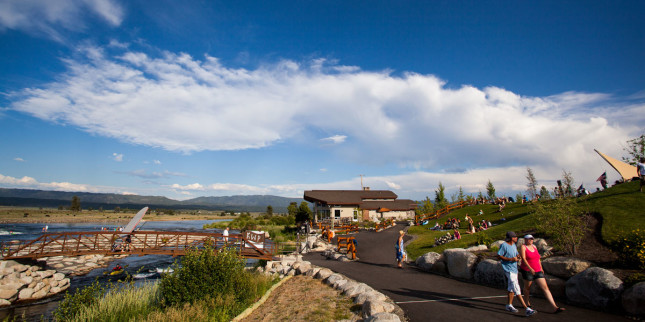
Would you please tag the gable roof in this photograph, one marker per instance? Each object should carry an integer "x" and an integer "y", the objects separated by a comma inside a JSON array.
[
  {"x": 347, "y": 197},
  {"x": 384, "y": 206}
]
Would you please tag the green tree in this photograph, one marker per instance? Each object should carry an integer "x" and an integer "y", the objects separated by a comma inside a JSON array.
[
  {"x": 635, "y": 150},
  {"x": 544, "y": 193},
  {"x": 518, "y": 197},
  {"x": 532, "y": 184},
  {"x": 292, "y": 209},
  {"x": 76, "y": 204},
  {"x": 440, "y": 200},
  {"x": 490, "y": 190},
  {"x": 567, "y": 183},
  {"x": 269, "y": 211},
  {"x": 562, "y": 220},
  {"x": 460, "y": 195},
  {"x": 304, "y": 213},
  {"x": 425, "y": 207}
]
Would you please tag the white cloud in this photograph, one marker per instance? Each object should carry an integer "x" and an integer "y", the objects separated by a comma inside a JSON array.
[
  {"x": 52, "y": 17},
  {"x": 336, "y": 139},
  {"x": 156, "y": 162},
  {"x": 19, "y": 159},
  {"x": 117, "y": 157},
  {"x": 411, "y": 120}
]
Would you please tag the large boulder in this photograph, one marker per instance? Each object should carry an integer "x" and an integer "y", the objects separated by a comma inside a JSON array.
[
  {"x": 595, "y": 287},
  {"x": 373, "y": 306},
  {"x": 383, "y": 317},
  {"x": 357, "y": 289},
  {"x": 323, "y": 273},
  {"x": 496, "y": 244},
  {"x": 557, "y": 286},
  {"x": 8, "y": 292},
  {"x": 460, "y": 263},
  {"x": 303, "y": 268},
  {"x": 565, "y": 267},
  {"x": 313, "y": 271},
  {"x": 333, "y": 278},
  {"x": 490, "y": 272},
  {"x": 25, "y": 294},
  {"x": 370, "y": 295},
  {"x": 477, "y": 248},
  {"x": 633, "y": 299},
  {"x": 427, "y": 260}
]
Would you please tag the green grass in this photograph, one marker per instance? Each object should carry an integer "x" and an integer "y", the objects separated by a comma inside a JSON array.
[{"x": 622, "y": 209}]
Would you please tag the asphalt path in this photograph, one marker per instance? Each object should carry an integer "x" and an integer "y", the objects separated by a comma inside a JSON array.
[{"x": 424, "y": 296}]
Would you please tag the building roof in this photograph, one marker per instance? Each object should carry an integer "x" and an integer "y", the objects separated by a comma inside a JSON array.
[
  {"x": 347, "y": 197},
  {"x": 364, "y": 199},
  {"x": 384, "y": 206}
]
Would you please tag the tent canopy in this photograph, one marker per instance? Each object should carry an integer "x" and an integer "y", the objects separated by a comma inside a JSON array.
[{"x": 627, "y": 171}]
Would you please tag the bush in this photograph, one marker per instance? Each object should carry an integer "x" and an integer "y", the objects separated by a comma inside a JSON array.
[
  {"x": 561, "y": 220},
  {"x": 631, "y": 249},
  {"x": 207, "y": 274},
  {"x": 73, "y": 303}
]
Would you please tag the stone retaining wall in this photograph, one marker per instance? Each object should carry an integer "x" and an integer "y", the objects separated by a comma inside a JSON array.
[{"x": 573, "y": 280}]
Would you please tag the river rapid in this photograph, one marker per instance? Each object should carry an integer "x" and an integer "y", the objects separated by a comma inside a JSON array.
[{"x": 134, "y": 264}]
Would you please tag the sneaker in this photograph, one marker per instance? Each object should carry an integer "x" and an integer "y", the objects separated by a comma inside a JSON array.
[
  {"x": 510, "y": 308},
  {"x": 530, "y": 311}
]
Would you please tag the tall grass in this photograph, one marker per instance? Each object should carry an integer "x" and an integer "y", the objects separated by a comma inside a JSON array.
[{"x": 125, "y": 302}]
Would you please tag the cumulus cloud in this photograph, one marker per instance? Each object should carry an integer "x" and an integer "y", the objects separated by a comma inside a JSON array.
[
  {"x": 19, "y": 159},
  {"x": 412, "y": 120},
  {"x": 117, "y": 157},
  {"x": 50, "y": 18}
]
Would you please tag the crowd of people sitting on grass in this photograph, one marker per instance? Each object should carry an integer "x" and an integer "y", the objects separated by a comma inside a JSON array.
[{"x": 453, "y": 224}]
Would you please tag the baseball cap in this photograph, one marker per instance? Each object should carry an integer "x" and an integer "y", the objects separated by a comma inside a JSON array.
[
  {"x": 529, "y": 236},
  {"x": 510, "y": 234}
]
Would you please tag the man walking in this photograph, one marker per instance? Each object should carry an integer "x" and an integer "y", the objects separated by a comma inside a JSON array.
[{"x": 509, "y": 255}]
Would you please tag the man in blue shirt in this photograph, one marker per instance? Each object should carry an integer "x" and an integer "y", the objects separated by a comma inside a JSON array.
[
  {"x": 509, "y": 257},
  {"x": 640, "y": 169}
]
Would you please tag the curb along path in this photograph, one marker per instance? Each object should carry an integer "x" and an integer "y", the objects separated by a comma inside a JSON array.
[{"x": 424, "y": 296}]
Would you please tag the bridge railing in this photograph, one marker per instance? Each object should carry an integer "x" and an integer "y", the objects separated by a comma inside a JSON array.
[{"x": 137, "y": 243}]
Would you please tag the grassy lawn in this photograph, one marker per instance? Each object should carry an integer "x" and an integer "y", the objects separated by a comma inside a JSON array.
[{"x": 622, "y": 208}]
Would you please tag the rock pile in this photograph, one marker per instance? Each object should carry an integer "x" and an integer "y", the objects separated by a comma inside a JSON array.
[
  {"x": 79, "y": 265},
  {"x": 375, "y": 306},
  {"x": 25, "y": 282}
]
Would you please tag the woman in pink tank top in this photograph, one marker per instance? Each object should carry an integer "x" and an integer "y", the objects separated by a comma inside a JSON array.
[{"x": 531, "y": 269}]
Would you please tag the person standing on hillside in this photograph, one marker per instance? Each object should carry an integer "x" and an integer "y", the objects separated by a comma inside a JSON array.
[
  {"x": 640, "y": 168},
  {"x": 509, "y": 257}
]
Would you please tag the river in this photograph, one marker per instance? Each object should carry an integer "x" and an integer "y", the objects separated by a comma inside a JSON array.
[{"x": 44, "y": 308}]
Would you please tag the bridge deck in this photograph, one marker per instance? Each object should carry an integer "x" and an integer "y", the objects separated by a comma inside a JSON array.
[{"x": 140, "y": 243}]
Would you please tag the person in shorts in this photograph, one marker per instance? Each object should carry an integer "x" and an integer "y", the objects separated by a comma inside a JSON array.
[
  {"x": 509, "y": 256},
  {"x": 531, "y": 269}
]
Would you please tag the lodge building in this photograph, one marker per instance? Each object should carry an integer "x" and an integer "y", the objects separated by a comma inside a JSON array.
[{"x": 359, "y": 205}]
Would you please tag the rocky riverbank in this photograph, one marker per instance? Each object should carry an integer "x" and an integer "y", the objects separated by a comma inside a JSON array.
[{"x": 50, "y": 276}]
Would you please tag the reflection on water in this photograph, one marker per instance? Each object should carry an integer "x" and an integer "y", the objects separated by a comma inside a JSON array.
[{"x": 36, "y": 311}]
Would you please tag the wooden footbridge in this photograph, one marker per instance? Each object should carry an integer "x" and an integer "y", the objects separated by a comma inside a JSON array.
[{"x": 248, "y": 245}]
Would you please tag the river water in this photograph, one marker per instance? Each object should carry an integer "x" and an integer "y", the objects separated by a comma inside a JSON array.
[{"x": 44, "y": 308}]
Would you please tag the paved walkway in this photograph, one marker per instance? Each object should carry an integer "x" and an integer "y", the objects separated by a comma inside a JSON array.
[{"x": 425, "y": 296}]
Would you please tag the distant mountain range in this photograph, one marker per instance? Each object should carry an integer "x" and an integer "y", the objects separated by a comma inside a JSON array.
[{"x": 43, "y": 198}]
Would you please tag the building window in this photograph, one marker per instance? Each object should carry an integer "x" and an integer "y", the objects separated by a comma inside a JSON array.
[
  {"x": 355, "y": 214},
  {"x": 337, "y": 213}
]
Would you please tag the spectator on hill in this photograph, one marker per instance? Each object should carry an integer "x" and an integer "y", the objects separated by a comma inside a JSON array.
[
  {"x": 457, "y": 235},
  {"x": 640, "y": 169}
]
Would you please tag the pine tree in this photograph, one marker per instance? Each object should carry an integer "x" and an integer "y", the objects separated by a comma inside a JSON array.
[
  {"x": 531, "y": 184},
  {"x": 440, "y": 200},
  {"x": 490, "y": 190}
]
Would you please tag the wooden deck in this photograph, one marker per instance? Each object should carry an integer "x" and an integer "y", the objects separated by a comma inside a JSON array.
[{"x": 140, "y": 243}]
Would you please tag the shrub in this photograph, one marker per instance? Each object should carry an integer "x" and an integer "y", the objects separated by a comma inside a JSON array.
[
  {"x": 73, "y": 303},
  {"x": 561, "y": 220},
  {"x": 206, "y": 274},
  {"x": 631, "y": 248}
]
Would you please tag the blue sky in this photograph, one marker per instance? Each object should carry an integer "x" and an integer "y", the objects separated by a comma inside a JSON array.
[{"x": 209, "y": 98}]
